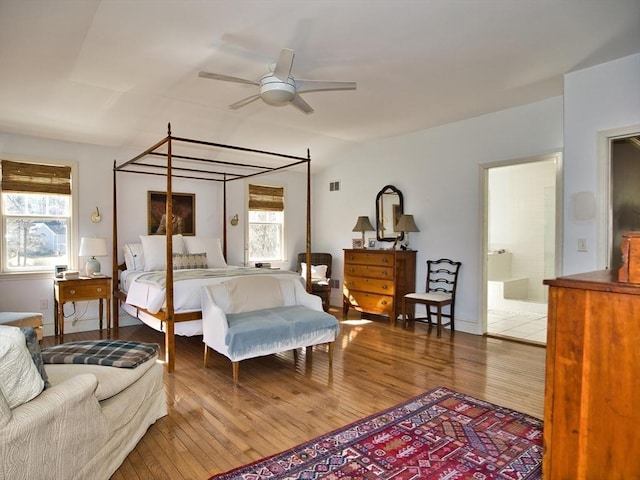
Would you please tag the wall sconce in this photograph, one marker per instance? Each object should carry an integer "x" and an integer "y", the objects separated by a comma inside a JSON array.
[
  {"x": 363, "y": 225},
  {"x": 234, "y": 220},
  {"x": 406, "y": 224}
]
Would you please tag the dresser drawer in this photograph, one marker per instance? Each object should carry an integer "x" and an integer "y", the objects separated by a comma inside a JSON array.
[
  {"x": 83, "y": 292},
  {"x": 369, "y": 258},
  {"x": 372, "y": 285},
  {"x": 372, "y": 303},
  {"x": 373, "y": 271}
]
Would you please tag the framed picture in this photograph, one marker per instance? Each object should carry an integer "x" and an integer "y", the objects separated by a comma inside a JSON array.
[
  {"x": 184, "y": 213},
  {"x": 356, "y": 243},
  {"x": 371, "y": 243}
]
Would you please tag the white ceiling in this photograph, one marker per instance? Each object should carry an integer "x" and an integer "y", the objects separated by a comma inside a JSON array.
[{"x": 115, "y": 72}]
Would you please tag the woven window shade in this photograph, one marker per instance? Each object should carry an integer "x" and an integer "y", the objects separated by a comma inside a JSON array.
[
  {"x": 262, "y": 197},
  {"x": 35, "y": 178}
]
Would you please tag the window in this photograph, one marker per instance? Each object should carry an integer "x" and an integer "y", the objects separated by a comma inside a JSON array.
[
  {"x": 36, "y": 216},
  {"x": 266, "y": 223}
]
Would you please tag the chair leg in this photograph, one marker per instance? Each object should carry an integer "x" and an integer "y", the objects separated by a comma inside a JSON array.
[
  {"x": 439, "y": 332},
  {"x": 331, "y": 353},
  {"x": 451, "y": 320},
  {"x": 235, "y": 367},
  {"x": 206, "y": 355}
]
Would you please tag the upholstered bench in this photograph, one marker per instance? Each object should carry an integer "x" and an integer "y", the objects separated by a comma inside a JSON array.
[
  {"x": 23, "y": 319},
  {"x": 249, "y": 317}
]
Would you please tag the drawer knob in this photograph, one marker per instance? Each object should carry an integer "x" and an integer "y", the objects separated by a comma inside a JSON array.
[
  {"x": 385, "y": 259},
  {"x": 385, "y": 273},
  {"x": 383, "y": 302},
  {"x": 351, "y": 270},
  {"x": 72, "y": 292},
  {"x": 385, "y": 287},
  {"x": 99, "y": 289}
]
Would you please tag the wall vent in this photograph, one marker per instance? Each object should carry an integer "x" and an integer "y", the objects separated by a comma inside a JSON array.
[
  {"x": 334, "y": 186},
  {"x": 335, "y": 283}
]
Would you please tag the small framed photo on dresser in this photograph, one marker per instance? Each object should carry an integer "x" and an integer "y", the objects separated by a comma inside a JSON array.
[
  {"x": 371, "y": 243},
  {"x": 357, "y": 243}
]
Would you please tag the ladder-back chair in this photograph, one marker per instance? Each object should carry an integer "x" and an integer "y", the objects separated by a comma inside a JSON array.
[{"x": 440, "y": 292}]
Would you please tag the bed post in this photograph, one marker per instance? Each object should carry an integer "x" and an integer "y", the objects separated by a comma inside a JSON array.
[
  {"x": 114, "y": 279},
  {"x": 169, "y": 339},
  {"x": 224, "y": 216},
  {"x": 308, "y": 251}
]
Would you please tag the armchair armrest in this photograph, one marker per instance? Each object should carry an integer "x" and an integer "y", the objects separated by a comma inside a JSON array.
[{"x": 54, "y": 430}]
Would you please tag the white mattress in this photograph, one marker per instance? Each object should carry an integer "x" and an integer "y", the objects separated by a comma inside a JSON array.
[{"x": 186, "y": 296}]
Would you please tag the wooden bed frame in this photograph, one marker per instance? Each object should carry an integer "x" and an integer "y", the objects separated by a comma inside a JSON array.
[{"x": 172, "y": 166}]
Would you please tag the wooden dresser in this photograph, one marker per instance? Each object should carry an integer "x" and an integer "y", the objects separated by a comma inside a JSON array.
[
  {"x": 592, "y": 417},
  {"x": 376, "y": 280}
]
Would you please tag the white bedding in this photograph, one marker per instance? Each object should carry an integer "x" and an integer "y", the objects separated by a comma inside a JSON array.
[{"x": 186, "y": 292}]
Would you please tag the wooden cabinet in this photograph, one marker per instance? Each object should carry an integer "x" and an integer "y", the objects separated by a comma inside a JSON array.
[
  {"x": 81, "y": 289},
  {"x": 376, "y": 280},
  {"x": 591, "y": 416}
]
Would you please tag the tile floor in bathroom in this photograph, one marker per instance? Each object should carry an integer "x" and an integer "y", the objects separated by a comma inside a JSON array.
[{"x": 526, "y": 326}]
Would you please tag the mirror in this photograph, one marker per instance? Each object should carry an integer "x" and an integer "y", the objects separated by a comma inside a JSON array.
[{"x": 389, "y": 207}]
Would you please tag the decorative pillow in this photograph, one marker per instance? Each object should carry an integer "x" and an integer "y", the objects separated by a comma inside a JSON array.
[
  {"x": 19, "y": 377},
  {"x": 34, "y": 350},
  {"x": 134, "y": 256},
  {"x": 155, "y": 250},
  {"x": 210, "y": 245},
  {"x": 318, "y": 272},
  {"x": 182, "y": 261}
]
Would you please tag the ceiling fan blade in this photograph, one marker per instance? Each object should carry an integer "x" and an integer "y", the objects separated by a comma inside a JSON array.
[
  {"x": 244, "y": 101},
  {"x": 226, "y": 78},
  {"x": 320, "y": 85},
  {"x": 301, "y": 105},
  {"x": 282, "y": 69}
]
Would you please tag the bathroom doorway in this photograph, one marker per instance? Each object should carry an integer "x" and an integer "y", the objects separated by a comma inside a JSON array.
[{"x": 520, "y": 238}]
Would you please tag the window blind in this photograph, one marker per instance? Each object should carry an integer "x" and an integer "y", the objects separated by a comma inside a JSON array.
[
  {"x": 262, "y": 197},
  {"x": 35, "y": 178}
]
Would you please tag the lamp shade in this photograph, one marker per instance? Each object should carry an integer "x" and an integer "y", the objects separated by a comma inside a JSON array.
[
  {"x": 363, "y": 225},
  {"x": 93, "y": 247},
  {"x": 406, "y": 224}
]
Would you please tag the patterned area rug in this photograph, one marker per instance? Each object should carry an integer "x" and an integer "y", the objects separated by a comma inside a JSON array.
[{"x": 441, "y": 434}]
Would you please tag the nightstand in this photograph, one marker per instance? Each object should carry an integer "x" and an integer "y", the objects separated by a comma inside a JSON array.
[{"x": 77, "y": 290}]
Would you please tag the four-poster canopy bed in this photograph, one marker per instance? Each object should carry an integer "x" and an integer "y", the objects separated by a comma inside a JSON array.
[{"x": 163, "y": 313}]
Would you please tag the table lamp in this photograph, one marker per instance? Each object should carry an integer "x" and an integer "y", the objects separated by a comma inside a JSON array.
[
  {"x": 363, "y": 225},
  {"x": 93, "y": 247},
  {"x": 406, "y": 224}
]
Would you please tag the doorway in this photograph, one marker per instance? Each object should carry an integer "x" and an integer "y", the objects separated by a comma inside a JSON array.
[{"x": 521, "y": 232}]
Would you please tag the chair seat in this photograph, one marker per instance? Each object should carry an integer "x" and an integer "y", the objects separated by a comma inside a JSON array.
[{"x": 429, "y": 296}]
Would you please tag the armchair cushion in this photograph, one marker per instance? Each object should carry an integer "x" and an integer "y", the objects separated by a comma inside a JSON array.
[
  {"x": 20, "y": 380},
  {"x": 318, "y": 272}
]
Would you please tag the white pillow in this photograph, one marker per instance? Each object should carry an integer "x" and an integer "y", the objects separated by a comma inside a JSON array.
[
  {"x": 20, "y": 380},
  {"x": 155, "y": 250},
  {"x": 134, "y": 256},
  {"x": 210, "y": 245},
  {"x": 318, "y": 272}
]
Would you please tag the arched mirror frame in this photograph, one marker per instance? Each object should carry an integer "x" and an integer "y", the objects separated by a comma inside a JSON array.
[{"x": 389, "y": 207}]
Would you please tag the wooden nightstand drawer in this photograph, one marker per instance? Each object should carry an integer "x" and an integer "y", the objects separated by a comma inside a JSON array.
[{"x": 84, "y": 292}]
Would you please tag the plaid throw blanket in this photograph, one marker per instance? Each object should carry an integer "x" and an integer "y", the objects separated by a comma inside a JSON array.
[{"x": 111, "y": 353}]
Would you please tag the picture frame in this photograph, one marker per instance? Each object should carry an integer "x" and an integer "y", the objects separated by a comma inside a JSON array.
[
  {"x": 371, "y": 242},
  {"x": 184, "y": 208},
  {"x": 357, "y": 243}
]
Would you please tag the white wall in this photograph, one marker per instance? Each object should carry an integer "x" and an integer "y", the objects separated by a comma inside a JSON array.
[
  {"x": 438, "y": 172},
  {"x": 597, "y": 99}
]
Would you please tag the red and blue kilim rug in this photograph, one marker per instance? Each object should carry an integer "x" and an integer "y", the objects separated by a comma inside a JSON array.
[{"x": 441, "y": 434}]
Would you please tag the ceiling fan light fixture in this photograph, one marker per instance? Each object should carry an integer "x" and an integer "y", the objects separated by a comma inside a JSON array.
[{"x": 277, "y": 93}]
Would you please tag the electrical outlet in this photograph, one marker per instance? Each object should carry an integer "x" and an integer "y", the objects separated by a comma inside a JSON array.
[
  {"x": 44, "y": 304},
  {"x": 582, "y": 244}
]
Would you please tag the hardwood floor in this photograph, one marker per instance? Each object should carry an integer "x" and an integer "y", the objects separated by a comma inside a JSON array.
[{"x": 213, "y": 427}]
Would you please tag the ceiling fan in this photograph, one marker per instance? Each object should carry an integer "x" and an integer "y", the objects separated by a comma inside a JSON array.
[{"x": 279, "y": 87}]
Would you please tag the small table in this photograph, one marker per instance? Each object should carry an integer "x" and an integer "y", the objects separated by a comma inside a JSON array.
[{"x": 80, "y": 289}]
